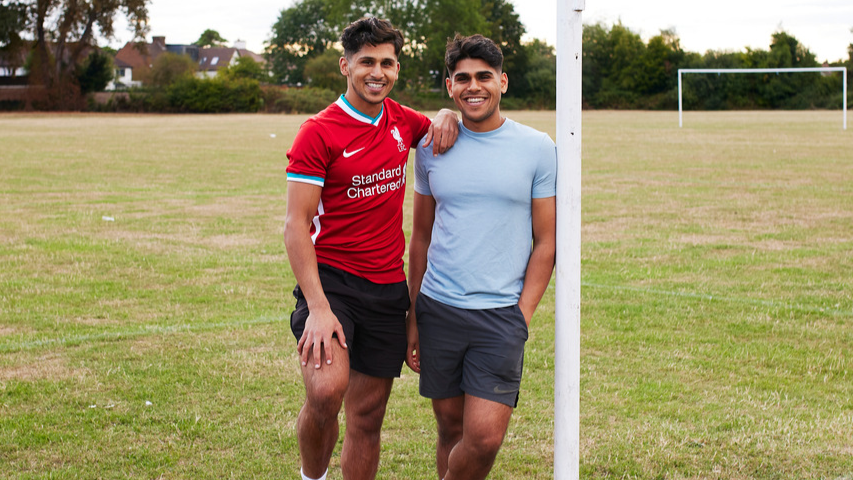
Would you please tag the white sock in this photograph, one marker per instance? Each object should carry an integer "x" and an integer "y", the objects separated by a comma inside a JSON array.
[{"x": 306, "y": 477}]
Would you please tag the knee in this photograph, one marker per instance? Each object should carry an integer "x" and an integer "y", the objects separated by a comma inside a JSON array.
[
  {"x": 485, "y": 447},
  {"x": 367, "y": 418},
  {"x": 324, "y": 404},
  {"x": 449, "y": 432}
]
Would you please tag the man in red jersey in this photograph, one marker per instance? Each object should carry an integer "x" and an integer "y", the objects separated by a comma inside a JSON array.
[{"x": 344, "y": 238}]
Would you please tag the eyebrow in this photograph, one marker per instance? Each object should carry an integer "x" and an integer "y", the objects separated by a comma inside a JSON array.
[
  {"x": 374, "y": 59},
  {"x": 481, "y": 72}
]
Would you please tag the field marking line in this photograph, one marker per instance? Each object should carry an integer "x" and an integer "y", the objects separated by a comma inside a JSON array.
[
  {"x": 137, "y": 332},
  {"x": 704, "y": 296}
]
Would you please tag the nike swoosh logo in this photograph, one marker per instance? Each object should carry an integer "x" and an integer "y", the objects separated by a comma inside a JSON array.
[
  {"x": 349, "y": 154},
  {"x": 500, "y": 390}
]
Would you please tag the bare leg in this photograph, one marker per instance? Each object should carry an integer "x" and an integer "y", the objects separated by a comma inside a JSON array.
[
  {"x": 365, "y": 403},
  {"x": 448, "y": 415},
  {"x": 317, "y": 424},
  {"x": 484, "y": 425}
]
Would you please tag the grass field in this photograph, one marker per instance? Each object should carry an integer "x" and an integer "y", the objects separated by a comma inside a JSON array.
[{"x": 145, "y": 297}]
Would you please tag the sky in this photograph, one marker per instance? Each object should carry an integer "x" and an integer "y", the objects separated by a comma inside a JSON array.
[{"x": 823, "y": 26}]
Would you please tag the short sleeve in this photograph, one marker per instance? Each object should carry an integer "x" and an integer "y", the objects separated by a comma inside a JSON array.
[
  {"x": 308, "y": 157},
  {"x": 545, "y": 180},
  {"x": 422, "y": 157},
  {"x": 418, "y": 122}
]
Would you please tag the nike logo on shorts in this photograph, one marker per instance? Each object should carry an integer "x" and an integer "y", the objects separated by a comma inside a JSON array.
[
  {"x": 501, "y": 391},
  {"x": 349, "y": 154}
]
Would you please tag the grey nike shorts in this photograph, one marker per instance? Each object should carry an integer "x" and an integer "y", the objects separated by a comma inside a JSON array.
[{"x": 475, "y": 352}]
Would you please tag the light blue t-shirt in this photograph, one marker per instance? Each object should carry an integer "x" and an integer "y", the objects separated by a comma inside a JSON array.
[{"x": 483, "y": 232}]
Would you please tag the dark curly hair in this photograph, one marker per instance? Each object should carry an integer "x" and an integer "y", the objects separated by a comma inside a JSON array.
[
  {"x": 370, "y": 31},
  {"x": 475, "y": 47}
]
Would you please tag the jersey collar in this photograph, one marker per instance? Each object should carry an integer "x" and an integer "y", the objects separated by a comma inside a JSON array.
[{"x": 361, "y": 117}]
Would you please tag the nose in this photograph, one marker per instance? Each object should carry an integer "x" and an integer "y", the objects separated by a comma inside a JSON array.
[
  {"x": 377, "y": 70},
  {"x": 474, "y": 85}
]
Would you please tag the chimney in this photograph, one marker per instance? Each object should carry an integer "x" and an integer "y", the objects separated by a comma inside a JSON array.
[
  {"x": 240, "y": 44},
  {"x": 161, "y": 41}
]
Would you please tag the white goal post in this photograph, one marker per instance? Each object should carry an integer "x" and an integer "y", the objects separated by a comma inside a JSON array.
[
  {"x": 762, "y": 70},
  {"x": 567, "y": 301}
]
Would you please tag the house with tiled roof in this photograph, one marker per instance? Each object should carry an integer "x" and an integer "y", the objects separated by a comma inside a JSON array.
[
  {"x": 213, "y": 59},
  {"x": 135, "y": 60}
]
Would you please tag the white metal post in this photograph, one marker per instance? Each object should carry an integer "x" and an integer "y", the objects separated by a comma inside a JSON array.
[
  {"x": 679, "y": 99},
  {"x": 568, "y": 277},
  {"x": 845, "y": 98}
]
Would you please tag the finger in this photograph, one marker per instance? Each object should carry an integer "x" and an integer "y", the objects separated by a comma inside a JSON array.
[
  {"x": 300, "y": 347},
  {"x": 437, "y": 140},
  {"x": 428, "y": 137},
  {"x": 447, "y": 142},
  {"x": 318, "y": 349},
  {"x": 342, "y": 337}
]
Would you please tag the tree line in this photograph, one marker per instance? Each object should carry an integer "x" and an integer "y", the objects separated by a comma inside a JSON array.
[{"x": 620, "y": 69}]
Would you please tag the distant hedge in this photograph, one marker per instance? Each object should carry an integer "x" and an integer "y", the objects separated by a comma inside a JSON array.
[{"x": 190, "y": 95}]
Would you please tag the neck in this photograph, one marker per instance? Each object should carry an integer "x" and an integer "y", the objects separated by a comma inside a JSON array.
[
  {"x": 494, "y": 122},
  {"x": 370, "y": 109}
]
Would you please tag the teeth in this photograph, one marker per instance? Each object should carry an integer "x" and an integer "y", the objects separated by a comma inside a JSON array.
[
  {"x": 476, "y": 100},
  {"x": 374, "y": 85}
]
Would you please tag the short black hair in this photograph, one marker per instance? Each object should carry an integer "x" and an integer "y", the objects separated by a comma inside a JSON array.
[
  {"x": 476, "y": 47},
  {"x": 370, "y": 31}
]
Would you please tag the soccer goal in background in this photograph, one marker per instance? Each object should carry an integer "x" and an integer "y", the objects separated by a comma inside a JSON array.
[{"x": 762, "y": 70}]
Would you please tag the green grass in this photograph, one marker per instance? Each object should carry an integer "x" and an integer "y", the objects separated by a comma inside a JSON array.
[{"x": 717, "y": 302}]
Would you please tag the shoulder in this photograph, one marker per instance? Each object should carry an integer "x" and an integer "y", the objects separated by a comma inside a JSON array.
[
  {"x": 529, "y": 135},
  {"x": 402, "y": 111}
]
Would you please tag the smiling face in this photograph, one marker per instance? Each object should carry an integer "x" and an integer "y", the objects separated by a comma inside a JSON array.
[
  {"x": 371, "y": 73},
  {"x": 476, "y": 88}
]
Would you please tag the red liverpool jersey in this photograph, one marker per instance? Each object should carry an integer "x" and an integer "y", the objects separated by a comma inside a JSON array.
[{"x": 360, "y": 162}]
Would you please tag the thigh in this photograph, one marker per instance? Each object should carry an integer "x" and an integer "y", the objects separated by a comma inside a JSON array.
[
  {"x": 495, "y": 360},
  {"x": 339, "y": 302},
  {"x": 443, "y": 344},
  {"x": 485, "y": 419},
  {"x": 326, "y": 386},
  {"x": 366, "y": 399},
  {"x": 378, "y": 347}
]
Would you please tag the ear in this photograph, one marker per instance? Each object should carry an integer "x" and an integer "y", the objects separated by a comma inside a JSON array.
[
  {"x": 449, "y": 83},
  {"x": 345, "y": 66},
  {"x": 504, "y": 82}
]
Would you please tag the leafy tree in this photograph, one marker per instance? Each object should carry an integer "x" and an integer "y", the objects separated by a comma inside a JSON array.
[
  {"x": 506, "y": 29},
  {"x": 171, "y": 67},
  {"x": 210, "y": 38},
  {"x": 541, "y": 77},
  {"x": 442, "y": 20},
  {"x": 71, "y": 27},
  {"x": 13, "y": 18},
  {"x": 324, "y": 71},
  {"x": 301, "y": 33},
  {"x": 246, "y": 67},
  {"x": 95, "y": 73}
]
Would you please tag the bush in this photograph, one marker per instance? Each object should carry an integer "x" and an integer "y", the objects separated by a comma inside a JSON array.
[
  {"x": 216, "y": 95},
  {"x": 297, "y": 100}
]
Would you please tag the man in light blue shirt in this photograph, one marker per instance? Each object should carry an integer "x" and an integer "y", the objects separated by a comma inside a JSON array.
[{"x": 480, "y": 258}]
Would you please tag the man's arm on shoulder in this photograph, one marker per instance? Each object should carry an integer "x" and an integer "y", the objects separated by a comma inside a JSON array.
[
  {"x": 442, "y": 132},
  {"x": 302, "y": 202},
  {"x": 424, "y": 217},
  {"x": 541, "y": 263}
]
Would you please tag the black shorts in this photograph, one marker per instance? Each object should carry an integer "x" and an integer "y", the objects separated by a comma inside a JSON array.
[
  {"x": 477, "y": 352},
  {"x": 372, "y": 315}
]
